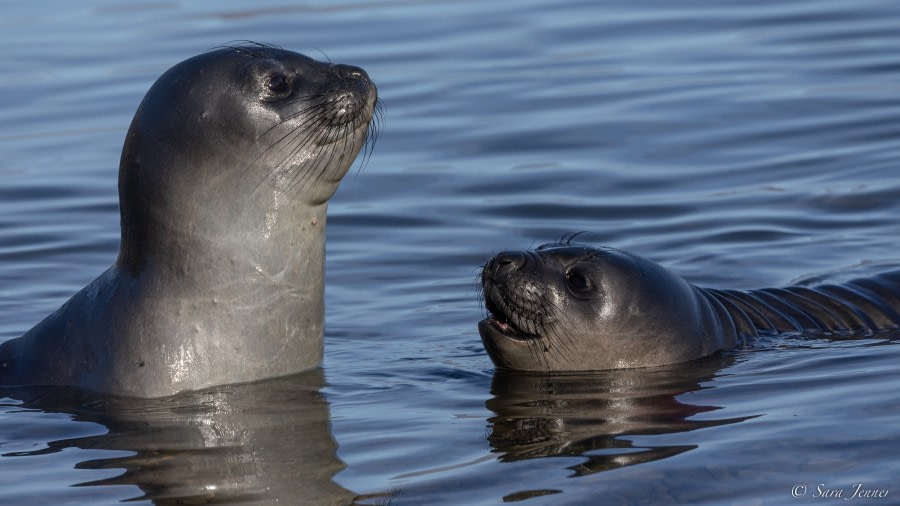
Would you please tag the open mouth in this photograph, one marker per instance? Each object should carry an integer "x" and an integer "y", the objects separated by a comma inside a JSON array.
[{"x": 503, "y": 319}]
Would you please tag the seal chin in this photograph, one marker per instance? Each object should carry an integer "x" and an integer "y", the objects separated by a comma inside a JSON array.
[{"x": 509, "y": 348}]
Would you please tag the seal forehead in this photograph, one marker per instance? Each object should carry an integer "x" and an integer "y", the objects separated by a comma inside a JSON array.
[
  {"x": 568, "y": 255},
  {"x": 278, "y": 58},
  {"x": 254, "y": 50},
  {"x": 221, "y": 63}
]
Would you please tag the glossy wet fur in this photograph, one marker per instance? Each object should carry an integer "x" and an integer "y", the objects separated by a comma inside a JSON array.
[
  {"x": 224, "y": 181},
  {"x": 567, "y": 308},
  {"x": 299, "y": 140}
]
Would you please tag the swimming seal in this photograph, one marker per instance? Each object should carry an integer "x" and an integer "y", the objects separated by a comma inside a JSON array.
[
  {"x": 574, "y": 308},
  {"x": 224, "y": 180}
]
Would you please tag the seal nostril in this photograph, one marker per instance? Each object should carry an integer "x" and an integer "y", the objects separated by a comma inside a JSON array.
[
  {"x": 510, "y": 259},
  {"x": 351, "y": 72}
]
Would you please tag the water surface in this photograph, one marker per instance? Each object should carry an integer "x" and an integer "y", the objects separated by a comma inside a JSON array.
[{"x": 741, "y": 145}]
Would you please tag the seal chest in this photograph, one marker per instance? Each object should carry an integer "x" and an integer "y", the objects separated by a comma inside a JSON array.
[{"x": 224, "y": 180}]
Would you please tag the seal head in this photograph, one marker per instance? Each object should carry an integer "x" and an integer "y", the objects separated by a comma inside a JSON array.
[
  {"x": 233, "y": 135},
  {"x": 571, "y": 308}
]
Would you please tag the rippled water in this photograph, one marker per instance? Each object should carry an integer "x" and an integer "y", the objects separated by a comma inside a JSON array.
[{"x": 740, "y": 144}]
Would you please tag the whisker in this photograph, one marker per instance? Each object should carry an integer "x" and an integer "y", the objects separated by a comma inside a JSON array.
[
  {"x": 322, "y": 164},
  {"x": 311, "y": 140},
  {"x": 248, "y": 47},
  {"x": 372, "y": 133},
  {"x": 563, "y": 347},
  {"x": 568, "y": 342},
  {"x": 323, "y": 54},
  {"x": 287, "y": 141}
]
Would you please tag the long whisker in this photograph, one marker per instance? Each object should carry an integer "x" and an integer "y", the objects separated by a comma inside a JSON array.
[
  {"x": 374, "y": 130},
  {"x": 564, "y": 341},
  {"x": 293, "y": 139},
  {"x": 311, "y": 140}
]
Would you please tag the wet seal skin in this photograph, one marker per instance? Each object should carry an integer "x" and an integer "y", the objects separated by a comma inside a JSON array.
[
  {"x": 224, "y": 180},
  {"x": 565, "y": 307}
]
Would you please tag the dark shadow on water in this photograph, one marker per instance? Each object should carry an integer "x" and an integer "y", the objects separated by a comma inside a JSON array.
[
  {"x": 268, "y": 441},
  {"x": 592, "y": 415}
]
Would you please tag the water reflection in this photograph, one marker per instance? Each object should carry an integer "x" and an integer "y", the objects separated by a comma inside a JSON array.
[
  {"x": 268, "y": 441},
  {"x": 592, "y": 414}
]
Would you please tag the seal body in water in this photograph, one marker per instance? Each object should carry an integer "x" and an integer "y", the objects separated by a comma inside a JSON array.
[
  {"x": 576, "y": 308},
  {"x": 224, "y": 180}
]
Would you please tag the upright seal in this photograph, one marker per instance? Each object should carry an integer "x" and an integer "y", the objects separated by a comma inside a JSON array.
[
  {"x": 224, "y": 181},
  {"x": 578, "y": 308}
]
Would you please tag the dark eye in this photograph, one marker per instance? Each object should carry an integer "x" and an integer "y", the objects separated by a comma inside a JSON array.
[
  {"x": 578, "y": 282},
  {"x": 278, "y": 84}
]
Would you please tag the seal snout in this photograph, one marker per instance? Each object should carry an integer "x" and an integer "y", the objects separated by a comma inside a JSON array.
[
  {"x": 514, "y": 313},
  {"x": 355, "y": 83},
  {"x": 352, "y": 99}
]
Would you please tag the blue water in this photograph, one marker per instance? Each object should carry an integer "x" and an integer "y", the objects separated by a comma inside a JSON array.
[{"x": 740, "y": 144}]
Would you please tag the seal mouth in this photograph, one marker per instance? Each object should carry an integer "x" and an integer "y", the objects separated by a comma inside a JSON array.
[
  {"x": 505, "y": 318},
  {"x": 341, "y": 121},
  {"x": 500, "y": 326}
]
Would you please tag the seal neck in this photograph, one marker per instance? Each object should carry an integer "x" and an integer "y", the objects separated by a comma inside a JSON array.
[{"x": 197, "y": 248}]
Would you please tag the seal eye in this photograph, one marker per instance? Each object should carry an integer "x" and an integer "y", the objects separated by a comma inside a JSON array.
[
  {"x": 278, "y": 84},
  {"x": 578, "y": 282}
]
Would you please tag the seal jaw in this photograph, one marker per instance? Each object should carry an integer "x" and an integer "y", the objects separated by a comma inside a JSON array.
[
  {"x": 506, "y": 347},
  {"x": 500, "y": 328},
  {"x": 507, "y": 319}
]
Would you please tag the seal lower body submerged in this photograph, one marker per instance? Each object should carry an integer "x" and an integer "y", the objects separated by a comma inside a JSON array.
[{"x": 223, "y": 187}]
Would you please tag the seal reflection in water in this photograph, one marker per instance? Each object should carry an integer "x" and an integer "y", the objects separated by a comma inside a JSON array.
[
  {"x": 223, "y": 186},
  {"x": 576, "y": 308}
]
